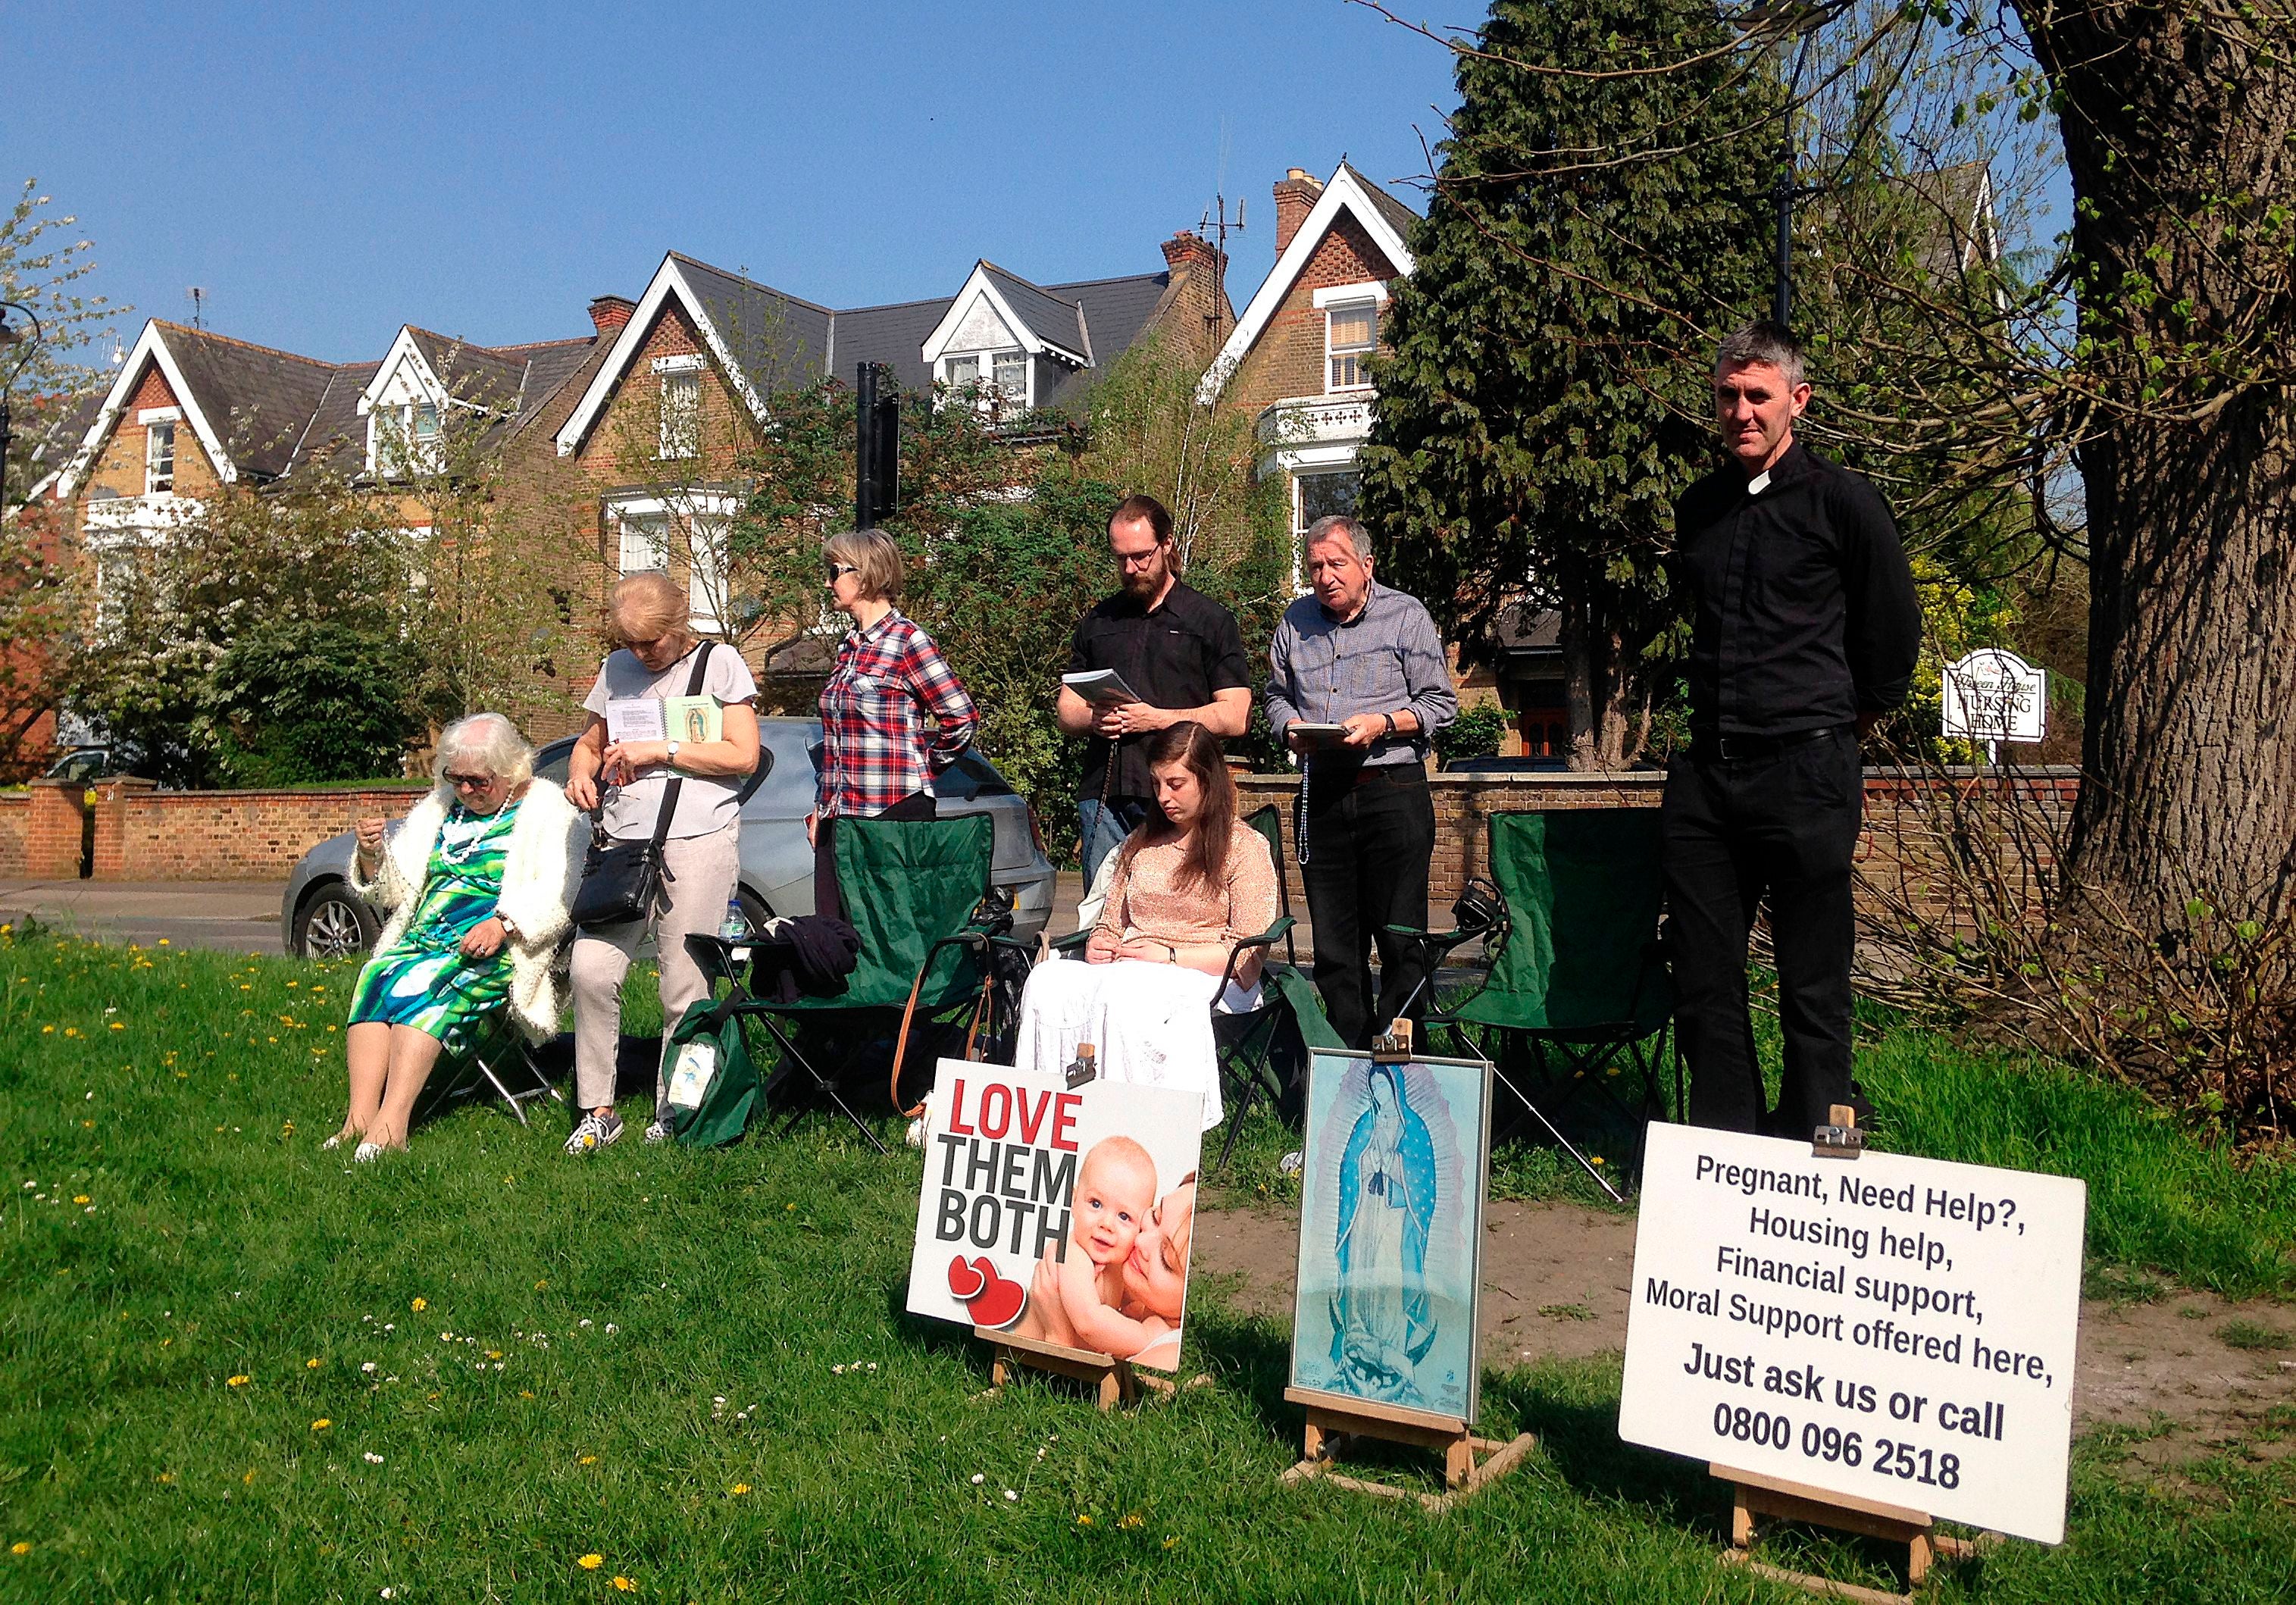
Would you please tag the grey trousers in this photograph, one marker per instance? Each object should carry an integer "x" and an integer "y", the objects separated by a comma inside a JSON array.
[{"x": 703, "y": 869}]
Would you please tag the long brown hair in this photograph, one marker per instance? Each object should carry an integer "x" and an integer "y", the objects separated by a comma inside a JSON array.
[{"x": 1190, "y": 743}]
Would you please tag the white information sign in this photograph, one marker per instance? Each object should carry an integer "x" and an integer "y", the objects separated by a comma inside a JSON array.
[
  {"x": 1898, "y": 1329},
  {"x": 1992, "y": 695}
]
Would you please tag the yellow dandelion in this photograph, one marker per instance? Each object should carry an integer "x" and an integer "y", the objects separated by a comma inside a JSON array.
[
  {"x": 166, "y": 1477},
  {"x": 591, "y": 1562},
  {"x": 235, "y": 1381},
  {"x": 117, "y": 1026},
  {"x": 321, "y": 1425},
  {"x": 419, "y": 1305},
  {"x": 587, "y": 1460},
  {"x": 739, "y": 1488},
  {"x": 625, "y": 1585},
  {"x": 47, "y": 1030},
  {"x": 492, "y": 1353},
  {"x": 19, "y": 1548},
  {"x": 311, "y": 1365},
  {"x": 250, "y": 1478},
  {"x": 525, "y": 1393},
  {"x": 1131, "y": 1521},
  {"x": 1173, "y": 1542},
  {"x": 1084, "y": 1520},
  {"x": 1598, "y": 1158},
  {"x": 541, "y": 1285},
  {"x": 79, "y": 1198},
  {"x": 90, "y": 1124}
]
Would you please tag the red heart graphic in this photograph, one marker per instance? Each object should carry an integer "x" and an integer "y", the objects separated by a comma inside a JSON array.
[
  {"x": 964, "y": 1281},
  {"x": 999, "y": 1302}
]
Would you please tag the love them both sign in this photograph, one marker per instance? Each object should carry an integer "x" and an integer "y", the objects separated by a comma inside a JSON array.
[{"x": 1898, "y": 1329}]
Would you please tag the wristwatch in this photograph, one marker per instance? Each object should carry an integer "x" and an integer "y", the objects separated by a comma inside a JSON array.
[
  {"x": 1388, "y": 717},
  {"x": 672, "y": 759}
]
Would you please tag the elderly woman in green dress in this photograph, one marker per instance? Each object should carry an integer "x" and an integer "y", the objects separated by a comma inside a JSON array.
[{"x": 481, "y": 878}]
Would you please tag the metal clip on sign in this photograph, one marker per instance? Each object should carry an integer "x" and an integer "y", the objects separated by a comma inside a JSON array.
[
  {"x": 1840, "y": 1139},
  {"x": 1395, "y": 1047}
]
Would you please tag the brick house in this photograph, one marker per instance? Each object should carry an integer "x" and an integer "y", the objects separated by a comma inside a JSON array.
[{"x": 630, "y": 434}]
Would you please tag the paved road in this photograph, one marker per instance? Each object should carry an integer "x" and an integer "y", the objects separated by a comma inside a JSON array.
[{"x": 236, "y": 916}]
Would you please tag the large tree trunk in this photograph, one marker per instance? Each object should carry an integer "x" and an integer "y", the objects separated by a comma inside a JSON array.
[
  {"x": 1599, "y": 682},
  {"x": 2177, "y": 128}
]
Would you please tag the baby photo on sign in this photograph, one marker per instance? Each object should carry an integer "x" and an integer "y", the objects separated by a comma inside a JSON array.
[
  {"x": 1391, "y": 1207},
  {"x": 1063, "y": 1214}
]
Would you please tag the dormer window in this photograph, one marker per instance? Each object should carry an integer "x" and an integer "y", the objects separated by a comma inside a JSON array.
[
  {"x": 159, "y": 456},
  {"x": 1350, "y": 334},
  {"x": 1001, "y": 378},
  {"x": 402, "y": 436}
]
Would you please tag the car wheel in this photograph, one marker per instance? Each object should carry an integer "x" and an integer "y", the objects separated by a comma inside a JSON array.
[
  {"x": 755, "y": 910},
  {"x": 334, "y": 924}
]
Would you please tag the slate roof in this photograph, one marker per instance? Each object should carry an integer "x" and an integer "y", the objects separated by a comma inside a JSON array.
[
  {"x": 894, "y": 335},
  {"x": 259, "y": 401},
  {"x": 1398, "y": 216},
  {"x": 1051, "y": 319},
  {"x": 779, "y": 340},
  {"x": 335, "y": 424}
]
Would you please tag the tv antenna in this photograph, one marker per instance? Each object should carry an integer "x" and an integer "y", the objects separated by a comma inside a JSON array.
[
  {"x": 1216, "y": 226},
  {"x": 199, "y": 306}
]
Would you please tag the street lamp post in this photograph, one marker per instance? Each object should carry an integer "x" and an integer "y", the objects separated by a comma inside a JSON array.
[{"x": 11, "y": 335}]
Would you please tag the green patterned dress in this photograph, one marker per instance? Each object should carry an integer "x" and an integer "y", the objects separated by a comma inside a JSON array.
[{"x": 423, "y": 979}]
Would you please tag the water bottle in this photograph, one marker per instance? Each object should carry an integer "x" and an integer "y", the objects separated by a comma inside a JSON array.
[
  {"x": 1083, "y": 1067},
  {"x": 734, "y": 927}
]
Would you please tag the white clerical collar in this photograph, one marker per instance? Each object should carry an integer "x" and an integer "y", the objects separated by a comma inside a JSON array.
[{"x": 1759, "y": 483}]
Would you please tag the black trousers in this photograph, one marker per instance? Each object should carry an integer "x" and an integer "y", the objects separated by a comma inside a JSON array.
[
  {"x": 1785, "y": 826},
  {"x": 1371, "y": 832},
  {"x": 828, "y": 897}
]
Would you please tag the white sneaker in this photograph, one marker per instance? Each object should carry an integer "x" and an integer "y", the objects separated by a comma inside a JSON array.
[
  {"x": 596, "y": 1132},
  {"x": 659, "y": 1132}
]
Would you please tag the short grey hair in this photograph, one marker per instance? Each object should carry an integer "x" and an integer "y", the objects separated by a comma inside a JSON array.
[
  {"x": 489, "y": 739},
  {"x": 1762, "y": 341},
  {"x": 1339, "y": 524}
]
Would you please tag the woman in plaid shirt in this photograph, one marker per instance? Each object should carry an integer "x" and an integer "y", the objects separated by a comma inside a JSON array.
[{"x": 877, "y": 755}]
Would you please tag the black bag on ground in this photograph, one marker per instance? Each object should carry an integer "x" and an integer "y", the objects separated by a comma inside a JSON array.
[{"x": 622, "y": 881}]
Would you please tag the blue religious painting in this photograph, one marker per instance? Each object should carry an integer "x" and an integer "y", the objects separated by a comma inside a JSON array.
[{"x": 1391, "y": 1197}]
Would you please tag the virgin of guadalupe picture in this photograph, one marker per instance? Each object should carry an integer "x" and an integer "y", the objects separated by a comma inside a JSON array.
[{"x": 1391, "y": 1183}]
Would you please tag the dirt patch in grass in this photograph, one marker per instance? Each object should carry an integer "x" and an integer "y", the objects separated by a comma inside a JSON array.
[{"x": 1556, "y": 1280}]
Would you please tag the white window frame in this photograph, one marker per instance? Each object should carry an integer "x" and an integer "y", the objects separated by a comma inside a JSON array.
[
  {"x": 705, "y": 516},
  {"x": 159, "y": 480},
  {"x": 681, "y": 424},
  {"x": 411, "y": 452},
  {"x": 989, "y": 394},
  {"x": 1353, "y": 355}
]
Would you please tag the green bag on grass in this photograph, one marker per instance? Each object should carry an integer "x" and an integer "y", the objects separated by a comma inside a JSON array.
[{"x": 713, "y": 1083}]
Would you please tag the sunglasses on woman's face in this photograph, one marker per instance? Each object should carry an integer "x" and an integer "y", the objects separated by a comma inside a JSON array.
[
  {"x": 469, "y": 783},
  {"x": 838, "y": 571}
]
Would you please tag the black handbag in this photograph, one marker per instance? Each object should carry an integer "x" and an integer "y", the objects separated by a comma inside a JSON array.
[{"x": 622, "y": 881}]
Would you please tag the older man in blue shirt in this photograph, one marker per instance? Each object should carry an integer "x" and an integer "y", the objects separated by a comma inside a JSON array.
[{"x": 1367, "y": 659}]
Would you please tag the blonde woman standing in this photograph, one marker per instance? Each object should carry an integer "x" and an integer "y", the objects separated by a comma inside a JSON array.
[{"x": 624, "y": 783}]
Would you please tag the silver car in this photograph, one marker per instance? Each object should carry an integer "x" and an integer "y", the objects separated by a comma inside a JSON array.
[{"x": 321, "y": 917}]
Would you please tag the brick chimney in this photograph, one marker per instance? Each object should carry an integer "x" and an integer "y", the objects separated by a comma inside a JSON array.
[
  {"x": 1185, "y": 252},
  {"x": 1295, "y": 198},
  {"x": 611, "y": 312}
]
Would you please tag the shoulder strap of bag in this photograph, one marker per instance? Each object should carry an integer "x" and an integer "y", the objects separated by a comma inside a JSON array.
[{"x": 669, "y": 791}]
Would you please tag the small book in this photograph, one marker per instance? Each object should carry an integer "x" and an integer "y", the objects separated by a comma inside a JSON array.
[
  {"x": 634, "y": 719},
  {"x": 1318, "y": 736},
  {"x": 1100, "y": 685},
  {"x": 693, "y": 719}
]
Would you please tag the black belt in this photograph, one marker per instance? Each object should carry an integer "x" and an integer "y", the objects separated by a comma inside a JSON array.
[{"x": 1707, "y": 747}]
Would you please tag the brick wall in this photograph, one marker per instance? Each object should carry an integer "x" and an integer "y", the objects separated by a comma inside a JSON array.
[
  {"x": 143, "y": 834},
  {"x": 41, "y": 831},
  {"x": 1897, "y": 854}
]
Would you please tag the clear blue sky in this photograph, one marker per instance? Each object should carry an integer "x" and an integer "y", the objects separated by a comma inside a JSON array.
[{"x": 327, "y": 173}]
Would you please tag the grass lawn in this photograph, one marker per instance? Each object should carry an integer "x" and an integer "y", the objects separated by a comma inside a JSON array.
[{"x": 238, "y": 1368}]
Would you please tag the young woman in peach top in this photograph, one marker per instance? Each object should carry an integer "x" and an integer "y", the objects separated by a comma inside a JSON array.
[{"x": 1188, "y": 886}]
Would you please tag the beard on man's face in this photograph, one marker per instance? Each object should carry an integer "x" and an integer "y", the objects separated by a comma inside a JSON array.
[{"x": 1145, "y": 583}]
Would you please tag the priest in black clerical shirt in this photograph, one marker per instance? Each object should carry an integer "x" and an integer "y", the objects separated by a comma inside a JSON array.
[{"x": 1804, "y": 631}]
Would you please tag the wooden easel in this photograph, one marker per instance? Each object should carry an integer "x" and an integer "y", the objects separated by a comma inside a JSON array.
[
  {"x": 1755, "y": 1494},
  {"x": 1114, "y": 1381},
  {"x": 1331, "y": 1421}
]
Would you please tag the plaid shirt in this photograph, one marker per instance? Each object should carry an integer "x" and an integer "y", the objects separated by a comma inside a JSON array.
[{"x": 874, "y": 751}]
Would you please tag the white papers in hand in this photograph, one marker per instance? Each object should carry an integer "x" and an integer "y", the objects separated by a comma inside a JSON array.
[{"x": 634, "y": 719}]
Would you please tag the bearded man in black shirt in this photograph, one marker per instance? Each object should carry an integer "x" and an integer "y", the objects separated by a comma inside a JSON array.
[{"x": 1804, "y": 631}]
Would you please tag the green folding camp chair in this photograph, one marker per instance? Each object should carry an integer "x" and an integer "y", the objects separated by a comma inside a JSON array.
[
  {"x": 1578, "y": 984},
  {"x": 918, "y": 894},
  {"x": 1249, "y": 1043}
]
